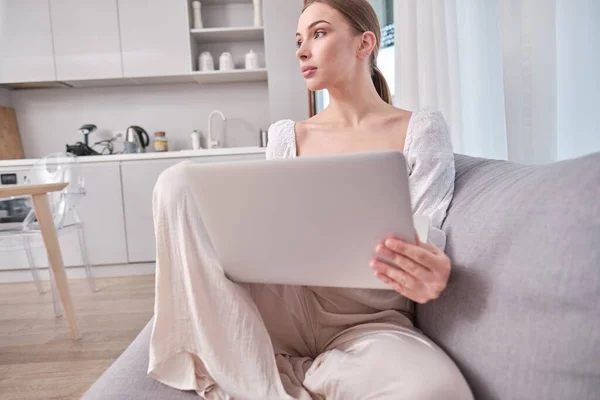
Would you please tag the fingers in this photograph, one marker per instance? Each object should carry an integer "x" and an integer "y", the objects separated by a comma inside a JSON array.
[
  {"x": 405, "y": 263},
  {"x": 431, "y": 248},
  {"x": 401, "y": 277},
  {"x": 418, "y": 254},
  {"x": 410, "y": 294},
  {"x": 422, "y": 270}
]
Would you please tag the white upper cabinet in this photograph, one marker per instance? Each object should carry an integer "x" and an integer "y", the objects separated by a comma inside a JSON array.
[
  {"x": 155, "y": 38},
  {"x": 86, "y": 39},
  {"x": 26, "y": 53}
]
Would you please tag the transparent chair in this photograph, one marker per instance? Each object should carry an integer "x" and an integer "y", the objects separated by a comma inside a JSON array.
[{"x": 54, "y": 168}]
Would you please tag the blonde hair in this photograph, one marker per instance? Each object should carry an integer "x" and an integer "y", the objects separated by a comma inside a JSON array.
[{"x": 362, "y": 17}]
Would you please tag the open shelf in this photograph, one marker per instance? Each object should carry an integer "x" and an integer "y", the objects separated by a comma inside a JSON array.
[
  {"x": 237, "y": 75},
  {"x": 235, "y": 34}
]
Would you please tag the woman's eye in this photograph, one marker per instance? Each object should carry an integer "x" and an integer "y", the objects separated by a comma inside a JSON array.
[{"x": 318, "y": 34}]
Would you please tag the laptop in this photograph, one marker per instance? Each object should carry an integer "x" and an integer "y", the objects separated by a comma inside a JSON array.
[{"x": 312, "y": 220}]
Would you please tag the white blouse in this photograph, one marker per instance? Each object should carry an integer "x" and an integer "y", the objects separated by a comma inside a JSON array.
[{"x": 429, "y": 155}]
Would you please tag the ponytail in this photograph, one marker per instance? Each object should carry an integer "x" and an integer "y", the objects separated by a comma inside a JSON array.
[
  {"x": 362, "y": 18},
  {"x": 381, "y": 85}
]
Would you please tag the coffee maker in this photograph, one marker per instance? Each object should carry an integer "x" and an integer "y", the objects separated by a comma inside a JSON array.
[{"x": 83, "y": 149}]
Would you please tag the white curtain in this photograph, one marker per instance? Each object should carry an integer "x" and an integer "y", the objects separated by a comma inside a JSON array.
[{"x": 515, "y": 79}]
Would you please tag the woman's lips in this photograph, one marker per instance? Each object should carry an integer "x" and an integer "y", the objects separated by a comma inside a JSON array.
[{"x": 308, "y": 71}]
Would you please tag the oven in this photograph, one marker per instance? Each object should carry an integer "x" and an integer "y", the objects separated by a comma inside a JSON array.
[{"x": 13, "y": 210}]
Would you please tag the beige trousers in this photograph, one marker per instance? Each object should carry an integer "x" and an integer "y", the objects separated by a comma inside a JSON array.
[{"x": 249, "y": 341}]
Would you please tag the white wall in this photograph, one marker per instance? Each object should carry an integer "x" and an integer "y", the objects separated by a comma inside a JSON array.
[
  {"x": 49, "y": 118},
  {"x": 5, "y": 98},
  {"x": 288, "y": 94}
]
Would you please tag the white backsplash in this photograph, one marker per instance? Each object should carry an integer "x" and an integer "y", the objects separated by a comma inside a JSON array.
[{"x": 49, "y": 118}]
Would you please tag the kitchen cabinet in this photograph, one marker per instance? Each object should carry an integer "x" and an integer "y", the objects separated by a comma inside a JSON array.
[
  {"x": 139, "y": 178},
  {"x": 58, "y": 43},
  {"x": 102, "y": 213},
  {"x": 154, "y": 38},
  {"x": 26, "y": 53},
  {"x": 86, "y": 39}
]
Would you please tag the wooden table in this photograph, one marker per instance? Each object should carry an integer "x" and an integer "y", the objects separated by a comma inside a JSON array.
[{"x": 41, "y": 207}]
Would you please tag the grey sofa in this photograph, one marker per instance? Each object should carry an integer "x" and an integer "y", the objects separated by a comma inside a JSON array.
[{"x": 521, "y": 314}]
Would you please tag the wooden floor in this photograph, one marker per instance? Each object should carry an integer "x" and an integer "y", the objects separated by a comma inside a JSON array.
[{"x": 39, "y": 360}]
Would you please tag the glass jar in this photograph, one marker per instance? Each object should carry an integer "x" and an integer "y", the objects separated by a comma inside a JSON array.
[{"x": 161, "y": 143}]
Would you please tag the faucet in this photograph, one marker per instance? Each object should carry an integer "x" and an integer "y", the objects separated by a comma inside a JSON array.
[{"x": 211, "y": 144}]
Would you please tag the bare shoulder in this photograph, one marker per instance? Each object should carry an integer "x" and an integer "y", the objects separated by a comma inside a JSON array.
[
  {"x": 394, "y": 122},
  {"x": 385, "y": 127},
  {"x": 398, "y": 112},
  {"x": 397, "y": 118},
  {"x": 315, "y": 124},
  {"x": 308, "y": 124}
]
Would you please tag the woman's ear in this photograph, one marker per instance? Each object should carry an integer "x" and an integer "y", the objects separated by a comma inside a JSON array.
[{"x": 367, "y": 44}]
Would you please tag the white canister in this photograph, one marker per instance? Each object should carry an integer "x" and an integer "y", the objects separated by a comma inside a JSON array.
[
  {"x": 195, "y": 135},
  {"x": 226, "y": 62},
  {"x": 206, "y": 62},
  {"x": 197, "y": 7},
  {"x": 251, "y": 60}
]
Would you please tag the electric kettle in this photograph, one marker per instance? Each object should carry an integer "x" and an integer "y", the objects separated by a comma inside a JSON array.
[{"x": 136, "y": 140}]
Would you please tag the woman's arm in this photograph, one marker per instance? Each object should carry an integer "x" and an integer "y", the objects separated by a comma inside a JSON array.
[
  {"x": 422, "y": 270},
  {"x": 430, "y": 159}
]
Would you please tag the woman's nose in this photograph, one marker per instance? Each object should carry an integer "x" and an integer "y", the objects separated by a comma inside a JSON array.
[{"x": 303, "y": 52}]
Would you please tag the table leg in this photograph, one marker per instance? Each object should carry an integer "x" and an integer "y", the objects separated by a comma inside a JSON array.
[{"x": 44, "y": 217}]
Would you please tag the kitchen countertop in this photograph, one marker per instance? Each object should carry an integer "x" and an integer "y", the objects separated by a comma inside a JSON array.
[{"x": 149, "y": 155}]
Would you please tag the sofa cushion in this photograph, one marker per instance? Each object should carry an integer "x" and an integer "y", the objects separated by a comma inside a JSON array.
[
  {"x": 126, "y": 379},
  {"x": 521, "y": 313}
]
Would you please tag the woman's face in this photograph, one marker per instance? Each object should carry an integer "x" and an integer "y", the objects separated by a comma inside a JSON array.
[{"x": 327, "y": 47}]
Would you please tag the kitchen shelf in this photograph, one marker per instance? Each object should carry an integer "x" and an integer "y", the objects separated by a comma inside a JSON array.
[
  {"x": 235, "y": 34},
  {"x": 238, "y": 75}
]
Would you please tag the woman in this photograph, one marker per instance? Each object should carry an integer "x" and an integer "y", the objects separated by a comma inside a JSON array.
[{"x": 226, "y": 340}]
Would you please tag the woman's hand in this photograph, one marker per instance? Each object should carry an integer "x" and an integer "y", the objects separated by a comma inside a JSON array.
[{"x": 422, "y": 273}]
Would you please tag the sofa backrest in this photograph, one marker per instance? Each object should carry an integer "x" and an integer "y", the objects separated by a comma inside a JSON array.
[{"x": 521, "y": 313}]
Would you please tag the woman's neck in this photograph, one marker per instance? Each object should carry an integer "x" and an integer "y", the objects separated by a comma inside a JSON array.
[{"x": 354, "y": 100}]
